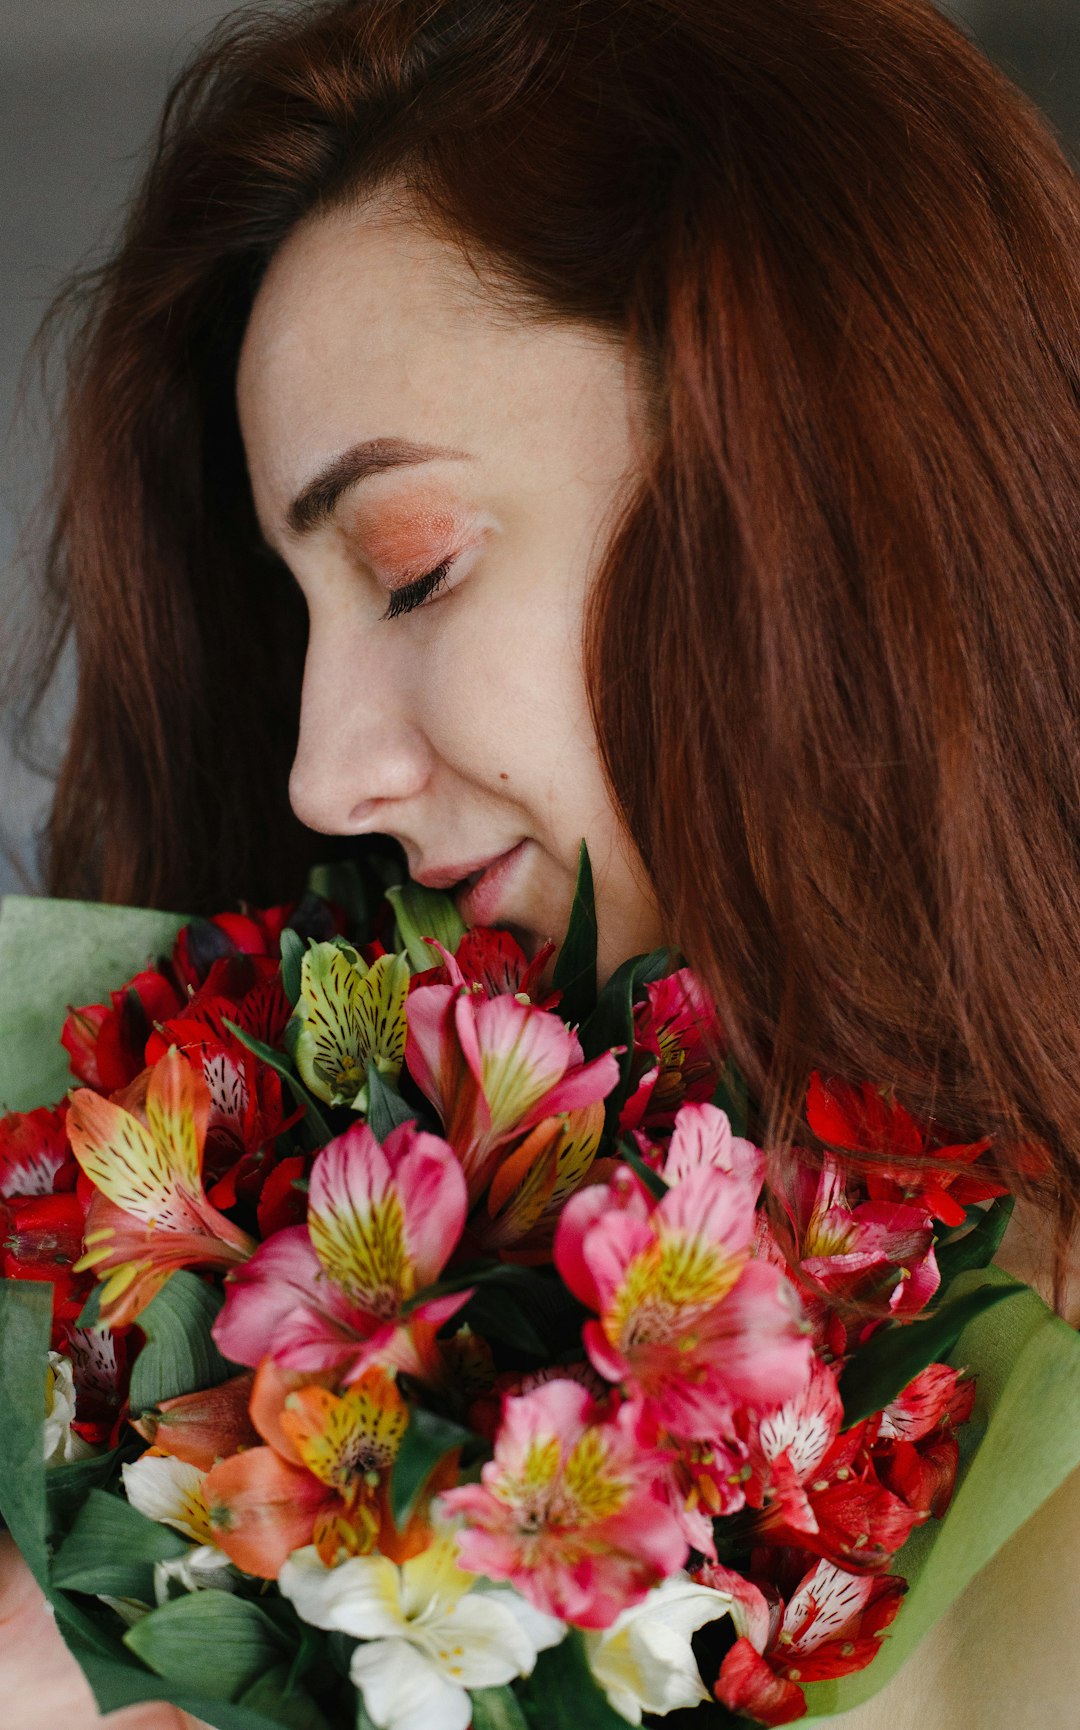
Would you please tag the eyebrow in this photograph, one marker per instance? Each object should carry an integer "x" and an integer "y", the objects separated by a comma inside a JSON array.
[{"x": 316, "y": 501}]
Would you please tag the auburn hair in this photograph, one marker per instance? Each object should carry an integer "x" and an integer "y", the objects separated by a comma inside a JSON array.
[{"x": 834, "y": 647}]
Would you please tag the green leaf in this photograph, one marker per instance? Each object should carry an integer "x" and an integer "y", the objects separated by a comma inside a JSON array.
[
  {"x": 561, "y": 1693},
  {"x": 113, "y": 1548},
  {"x": 25, "y": 1328},
  {"x": 575, "y": 968},
  {"x": 898, "y": 1351},
  {"x": 977, "y": 1247},
  {"x": 652, "y": 1180},
  {"x": 119, "y": 1679},
  {"x": 386, "y": 1108},
  {"x": 314, "y": 1122},
  {"x": 733, "y": 1097},
  {"x": 90, "y": 1314},
  {"x": 491, "y": 1314},
  {"x": 57, "y": 953},
  {"x": 427, "y": 1440},
  {"x": 509, "y": 1274},
  {"x": 421, "y": 913},
  {"x": 611, "y": 1023},
  {"x": 292, "y": 956},
  {"x": 225, "y": 1641},
  {"x": 496, "y": 1709},
  {"x": 291, "y": 1706},
  {"x": 179, "y": 1356},
  {"x": 67, "y": 1486}
]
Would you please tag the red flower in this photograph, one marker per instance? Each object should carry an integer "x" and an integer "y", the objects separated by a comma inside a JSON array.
[
  {"x": 816, "y": 1487},
  {"x": 496, "y": 962},
  {"x": 35, "y": 1158},
  {"x": 914, "y": 1164},
  {"x": 676, "y": 1035},
  {"x": 915, "y": 1449},
  {"x": 849, "y": 1256},
  {"x": 41, "y": 1237},
  {"x": 831, "y": 1624},
  {"x": 106, "y": 1043},
  {"x": 206, "y": 941}
]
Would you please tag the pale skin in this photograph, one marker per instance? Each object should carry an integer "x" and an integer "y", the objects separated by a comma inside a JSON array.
[{"x": 463, "y": 728}]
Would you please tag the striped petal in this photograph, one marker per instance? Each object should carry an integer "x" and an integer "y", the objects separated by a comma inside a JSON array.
[
  {"x": 381, "y": 1005},
  {"x": 357, "y": 1223},
  {"x": 350, "y": 1440},
  {"x": 157, "y": 1181},
  {"x": 349, "y": 1015},
  {"x": 171, "y": 1491},
  {"x": 384, "y": 1220}
]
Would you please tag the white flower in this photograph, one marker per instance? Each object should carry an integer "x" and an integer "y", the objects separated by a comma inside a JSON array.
[
  {"x": 170, "y": 1491},
  {"x": 644, "y": 1662},
  {"x": 431, "y": 1631},
  {"x": 204, "y": 1568},
  {"x": 61, "y": 1442}
]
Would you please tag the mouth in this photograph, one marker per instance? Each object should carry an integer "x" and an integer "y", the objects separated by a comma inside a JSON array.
[{"x": 479, "y": 895}]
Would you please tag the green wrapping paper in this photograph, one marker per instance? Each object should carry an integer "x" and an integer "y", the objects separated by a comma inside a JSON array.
[
  {"x": 1021, "y": 1445},
  {"x": 54, "y": 954}
]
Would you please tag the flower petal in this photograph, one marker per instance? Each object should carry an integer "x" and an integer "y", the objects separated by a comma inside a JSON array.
[{"x": 403, "y": 1689}]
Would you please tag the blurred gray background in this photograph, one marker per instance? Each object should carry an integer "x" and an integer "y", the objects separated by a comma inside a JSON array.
[{"x": 81, "y": 83}]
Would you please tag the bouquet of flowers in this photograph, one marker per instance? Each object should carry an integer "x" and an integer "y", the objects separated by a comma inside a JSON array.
[{"x": 388, "y": 1341}]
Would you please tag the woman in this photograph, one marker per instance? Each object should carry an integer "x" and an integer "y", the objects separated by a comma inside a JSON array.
[{"x": 666, "y": 412}]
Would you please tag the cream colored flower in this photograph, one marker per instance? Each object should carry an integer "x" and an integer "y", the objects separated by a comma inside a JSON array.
[
  {"x": 430, "y": 1631},
  {"x": 61, "y": 1443},
  {"x": 644, "y": 1662}
]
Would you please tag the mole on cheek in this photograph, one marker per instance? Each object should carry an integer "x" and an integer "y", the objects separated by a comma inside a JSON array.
[{"x": 503, "y": 776}]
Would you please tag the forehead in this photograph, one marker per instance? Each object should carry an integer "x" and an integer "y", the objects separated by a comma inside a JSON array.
[{"x": 367, "y": 326}]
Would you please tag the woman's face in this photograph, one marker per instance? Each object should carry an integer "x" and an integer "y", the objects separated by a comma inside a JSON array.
[{"x": 395, "y": 422}]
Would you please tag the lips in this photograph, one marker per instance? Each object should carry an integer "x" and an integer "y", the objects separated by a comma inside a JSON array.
[
  {"x": 480, "y": 894},
  {"x": 478, "y": 885}
]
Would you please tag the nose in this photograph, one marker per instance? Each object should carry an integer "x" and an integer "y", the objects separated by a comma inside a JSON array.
[{"x": 359, "y": 756}]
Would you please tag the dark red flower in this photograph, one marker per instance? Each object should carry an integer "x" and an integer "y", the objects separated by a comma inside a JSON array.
[
  {"x": 35, "y": 1158},
  {"x": 106, "y": 1043},
  {"x": 914, "y": 1163}
]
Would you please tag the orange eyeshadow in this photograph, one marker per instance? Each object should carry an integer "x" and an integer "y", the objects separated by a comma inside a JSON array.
[{"x": 398, "y": 537}]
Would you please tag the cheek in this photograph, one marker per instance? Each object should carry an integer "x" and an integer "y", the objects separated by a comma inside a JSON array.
[{"x": 503, "y": 694}]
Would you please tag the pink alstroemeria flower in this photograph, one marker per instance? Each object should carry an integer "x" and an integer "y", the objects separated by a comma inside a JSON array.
[
  {"x": 494, "y": 1067},
  {"x": 150, "y": 1214},
  {"x": 572, "y": 1509},
  {"x": 855, "y": 1251},
  {"x": 329, "y": 1295},
  {"x": 677, "y": 1035},
  {"x": 686, "y": 1318}
]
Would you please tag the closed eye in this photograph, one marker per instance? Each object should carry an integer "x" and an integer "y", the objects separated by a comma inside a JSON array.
[{"x": 414, "y": 594}]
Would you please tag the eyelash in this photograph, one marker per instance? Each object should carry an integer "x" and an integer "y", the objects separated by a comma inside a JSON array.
[{"x": 413, "y": 595}]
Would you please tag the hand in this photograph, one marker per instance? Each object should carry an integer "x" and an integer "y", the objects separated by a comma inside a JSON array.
[{"x": 41, "y": 1686}]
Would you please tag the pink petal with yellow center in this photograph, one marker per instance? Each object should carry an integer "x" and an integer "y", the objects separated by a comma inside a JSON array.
[
  {"x": 713, "y": 1207},
  {"x": 383, "y": 1220},
  {"x": 283, "y": 1279}
]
